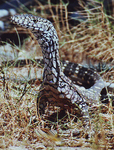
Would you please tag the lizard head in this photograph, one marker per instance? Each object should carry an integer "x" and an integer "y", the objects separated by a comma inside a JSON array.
[{"x": 43, "y": 29}]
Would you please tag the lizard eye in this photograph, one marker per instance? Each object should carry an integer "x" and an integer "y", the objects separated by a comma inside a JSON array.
[{"x": 35, "y": 21}]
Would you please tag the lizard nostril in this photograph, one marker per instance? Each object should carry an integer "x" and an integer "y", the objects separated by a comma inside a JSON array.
[{"x": 48, "y": 28}]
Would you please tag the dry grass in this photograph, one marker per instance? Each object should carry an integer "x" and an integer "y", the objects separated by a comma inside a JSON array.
[{"x": 19, "y": 124}]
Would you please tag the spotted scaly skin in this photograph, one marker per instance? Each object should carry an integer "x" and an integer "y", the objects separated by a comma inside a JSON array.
[{"x": 56, "y": 87}]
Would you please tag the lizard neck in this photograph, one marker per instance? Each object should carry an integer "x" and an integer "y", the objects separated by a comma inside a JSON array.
[{"x": 52, "y": 68}]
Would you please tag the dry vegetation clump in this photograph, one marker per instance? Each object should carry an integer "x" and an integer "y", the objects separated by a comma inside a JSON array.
[{"x": 19, "y": 125}]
